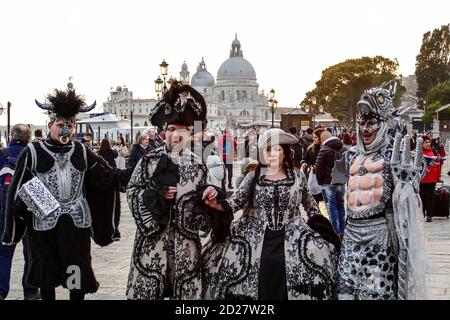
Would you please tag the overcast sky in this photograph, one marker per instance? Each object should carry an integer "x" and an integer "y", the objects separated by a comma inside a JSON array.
[{"x": 104, "y": 44}]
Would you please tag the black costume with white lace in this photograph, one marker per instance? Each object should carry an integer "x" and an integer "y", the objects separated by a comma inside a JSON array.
[
  {"x": 166, "y": 255},
  {"x": 87, "y": 190}
]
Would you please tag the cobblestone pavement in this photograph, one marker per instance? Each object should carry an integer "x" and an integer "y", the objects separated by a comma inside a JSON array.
[{"x": 111, "y": 264}]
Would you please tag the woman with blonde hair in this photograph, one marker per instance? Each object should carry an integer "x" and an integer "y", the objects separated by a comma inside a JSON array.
[{"x": 140, "y": 149}]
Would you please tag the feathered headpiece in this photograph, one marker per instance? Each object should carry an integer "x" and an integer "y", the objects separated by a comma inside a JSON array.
[
  {"x": 65, "y": 104},
  {"x": 181, "y": 104}
]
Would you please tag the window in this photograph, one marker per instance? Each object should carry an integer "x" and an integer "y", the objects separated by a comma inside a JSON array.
[
  {"x": 244, "y": 95},
  {"x": 244, "y": 113},
  {"x": 238, "y": 95},
  {"x": 223, "y": 95},
  {"x": 137, "y": 125},
  {"x": 145, "y": 124},
  {"x": 204, "y": 90}
]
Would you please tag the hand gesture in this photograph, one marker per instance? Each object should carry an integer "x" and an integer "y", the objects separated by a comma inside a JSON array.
[
  {"x": 407, "y": 167},
  {"x": 210, "y": 198}
]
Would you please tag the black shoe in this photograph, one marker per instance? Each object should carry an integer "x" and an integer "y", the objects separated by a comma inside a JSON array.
[
  {"x": 32, "y": 296},
  {"x": 428, "y": 219}
]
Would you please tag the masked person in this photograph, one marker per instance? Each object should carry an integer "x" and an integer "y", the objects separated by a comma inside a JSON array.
[
  {"x": 164, "y": 195},
  {"x": 63, "y": 194},
  {"x": 381, "y": 243}
]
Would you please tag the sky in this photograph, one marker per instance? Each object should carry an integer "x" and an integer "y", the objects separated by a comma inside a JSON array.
[{"x": 104, "y": 44}]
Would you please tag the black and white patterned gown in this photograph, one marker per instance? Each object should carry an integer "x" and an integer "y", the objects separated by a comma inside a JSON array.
[
  {"x": 166, "y": 263},
  {"x": 272, "y": 253}
]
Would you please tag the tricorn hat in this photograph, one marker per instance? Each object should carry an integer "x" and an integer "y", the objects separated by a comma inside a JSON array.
[{"x": 181, "y": 104}]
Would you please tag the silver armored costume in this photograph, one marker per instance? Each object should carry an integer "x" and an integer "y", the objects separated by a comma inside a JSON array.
[
  {"x": 65, "y": 183},
  {"x": 375, "y": 253}
]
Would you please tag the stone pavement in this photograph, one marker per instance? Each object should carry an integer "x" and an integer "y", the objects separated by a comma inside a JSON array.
[{"x": 111, "y": 264}]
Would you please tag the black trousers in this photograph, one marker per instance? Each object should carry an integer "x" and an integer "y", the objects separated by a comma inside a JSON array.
[
  {"x": 426, "y": 195},
  {"x": 229, "y": 167}
]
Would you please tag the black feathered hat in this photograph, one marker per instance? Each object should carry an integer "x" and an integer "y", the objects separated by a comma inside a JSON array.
[
  {"x": 181, "y": 104},
  {"x": 65, "y": 104}
]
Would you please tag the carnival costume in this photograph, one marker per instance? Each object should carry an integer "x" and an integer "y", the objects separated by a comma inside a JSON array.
[
  {"x": 272, "y": 253},
  {"x": 166, "y": 255},
  {"x": 382, "y": 253},
  {"x": 63, "y": 194}
]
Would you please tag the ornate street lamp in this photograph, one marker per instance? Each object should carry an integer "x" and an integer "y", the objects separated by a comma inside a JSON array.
[
  {"x": 164, "y": 66},
  {"x": 123, "y": 115},
  {"x": 161, "y": 84},
  {"x": 272, "y": 105},
  {"x": 158, "y": 86}
]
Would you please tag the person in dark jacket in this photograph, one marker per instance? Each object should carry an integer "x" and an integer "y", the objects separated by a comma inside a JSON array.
[
  {"x": 139, "y": 150},
  {"x": 310, "y": 156},
  {"x": 21, "y": 136},
  {"x": 296, "y": 149},
  {"x": 107, "y": 153},
  {"x": 333, "y": 194}
]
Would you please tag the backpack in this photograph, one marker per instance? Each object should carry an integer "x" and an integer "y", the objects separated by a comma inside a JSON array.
[
  {"x": 6, "y": 174},
  {"x": 338, "y": 174}
]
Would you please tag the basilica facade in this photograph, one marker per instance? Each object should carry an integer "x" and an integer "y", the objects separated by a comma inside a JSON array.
[{"x": 233, "y": 97}]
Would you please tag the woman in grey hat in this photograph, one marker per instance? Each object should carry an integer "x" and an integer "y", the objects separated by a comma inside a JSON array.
[{"x": 272, "y": 253}]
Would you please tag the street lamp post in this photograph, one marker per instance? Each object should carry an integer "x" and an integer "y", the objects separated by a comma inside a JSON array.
[
  {"x": 312, "y": 109},
  {"x": 8, "y": 115},
  {"x": 161, "y": 84},
  {"x": 158, "y": 86},
  {"x": 123, "y": 114},
  {"x": 272, "y": 105}
]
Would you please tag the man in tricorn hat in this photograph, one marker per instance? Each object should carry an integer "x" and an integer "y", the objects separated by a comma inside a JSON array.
[
  {"x": 165, "y": 197},
  {"x": 63, "y": 194}
]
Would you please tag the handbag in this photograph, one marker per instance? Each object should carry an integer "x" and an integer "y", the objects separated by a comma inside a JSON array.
[
  {"x": 38, "y": 198},
  {"x": 313, "y": 185}
]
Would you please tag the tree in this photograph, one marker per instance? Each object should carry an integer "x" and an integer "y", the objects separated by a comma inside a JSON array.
[
  {"x": 437, "y": 96},
  {"x": 433, "y": 61},
  {"x": 342, "y": 84}
]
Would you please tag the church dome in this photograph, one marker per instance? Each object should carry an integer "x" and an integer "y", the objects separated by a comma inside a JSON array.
[
  {"x": 236, "y": 66},
  {"x": 202, "y": 78}
]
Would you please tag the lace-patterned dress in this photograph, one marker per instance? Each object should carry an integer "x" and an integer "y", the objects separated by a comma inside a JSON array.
[
  {"x": 272, "y": 253},
  {"x": 166, "y": 263}
]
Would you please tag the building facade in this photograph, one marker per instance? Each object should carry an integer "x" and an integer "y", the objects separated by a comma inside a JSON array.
[
  {"x": 233, "y": 98},
  {"x": 121, "y": 102}
]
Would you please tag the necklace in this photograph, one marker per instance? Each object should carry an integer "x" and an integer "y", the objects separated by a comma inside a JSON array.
[{"x": 362, "y": 170}]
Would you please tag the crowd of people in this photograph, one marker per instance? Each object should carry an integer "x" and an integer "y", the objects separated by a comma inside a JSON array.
[{"x": 58, "y": 193}]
